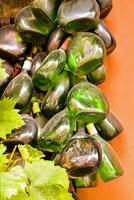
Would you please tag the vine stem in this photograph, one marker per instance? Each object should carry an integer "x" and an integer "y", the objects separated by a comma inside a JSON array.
[
  {"x": 12, "y": 154},
  {"x": 20, "y": 159}
]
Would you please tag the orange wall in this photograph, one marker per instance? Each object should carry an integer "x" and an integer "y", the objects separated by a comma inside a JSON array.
[{"x": 119, "y": 89}]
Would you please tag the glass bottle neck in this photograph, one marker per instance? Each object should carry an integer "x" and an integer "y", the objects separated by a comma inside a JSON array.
[
  {"x": 81, "y": 127},
  {"x": 36, "y": 108},
  {"x": 94, "y": 133},
  {"x": 27, "y": 65},
  {"x": 91, "y": 129}
]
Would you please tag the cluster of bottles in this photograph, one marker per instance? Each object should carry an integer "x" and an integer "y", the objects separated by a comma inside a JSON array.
[{"x": 62, "y": 47}]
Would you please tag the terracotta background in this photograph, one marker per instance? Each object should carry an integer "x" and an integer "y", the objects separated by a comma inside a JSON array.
[{"x": 119, "y": 89}]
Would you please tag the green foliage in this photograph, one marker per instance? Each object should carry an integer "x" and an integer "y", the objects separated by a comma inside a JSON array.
[
  {"x": 11, "y": 182},
  {"x": 49, "y": 192},
  {"x": 3, "y": 158},
  {"x": 38, "y": 179},
  {"x": 29, "y": 153},
  {"x": 9, "y": 117},
  {"x": 44, "y": 172}
]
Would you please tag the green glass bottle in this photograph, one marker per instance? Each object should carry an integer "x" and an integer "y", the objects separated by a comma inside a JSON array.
[
  {"x": 55, "y": 98},
  {"x": 5, "y": 79},
  {"x": 98, "y": 76},
  {"x": 56, "y": 39},
  {"x": 77, "y": 15},
  {"x": 21, "y": 87},
  {"x": 11, "y": 45},
  {"x": 105, "y": 7},
  {"x": 73, "y": 79},
  {"x": 49, "y": 70},
  {"x": 110, "y": 127},
  {"x": 76, "y": 79},
  {"x": 37, "y": 61},
  {"x": 110, "y": 167},
  {"x": 86, "y": 53},
  {"x": 56, "y": 133},
  {"x": 86, "y": 103},
  {"x": 81, "y": 156},
  {"x": 38, "y": 117},
  {"x": 38, "y": 95},
  {"x": 86, "y": 181},
  {"x": 45, "y": 10},
  {"x": 31, "y": 29},
  {"x": 104, "y": 33},
  {"x": 27, "y": 134}
]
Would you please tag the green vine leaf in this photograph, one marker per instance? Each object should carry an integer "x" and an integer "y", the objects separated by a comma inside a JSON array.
[
  {"x": 12, "y": 182},
  {"x": 3, "y": 158},
  {"x": 9, "y": 117},
  {"x": 29, "y": 153}
]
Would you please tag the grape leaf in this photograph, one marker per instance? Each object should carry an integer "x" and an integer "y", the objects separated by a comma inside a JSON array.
[
  {"x": 46, "y": 182},
  {"x": 2, "y": 149},
  {"x": 9, "y": 117},
  {"x": 20, "y": 196},
  {"x": 3, "y": 73},
  {"x": 3, "y": 158},
  {"x": 12, "y": 182},
  {"x": 49, "y": 192},
  {"x": 56, "y": 192},
  {"x": 45, "y": 173},
  {"x": 29, "y": 153},
  {"x": 35, "y": 193},
  {"x": 39, "y": 179}
]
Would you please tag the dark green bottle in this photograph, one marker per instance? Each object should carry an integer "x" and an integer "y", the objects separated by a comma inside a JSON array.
[
  {"x": 55, "y": 98},
  {"x": 45, "y": 10},
  {"x": 110, "y": 167},
  {"x": 49, "y": 70},
  {"x": 11, "y": 45},
  {"x": 110, "y": 127},
  {"x": 24, "y": 135},
  {"x": 73, "y": 79},
  {"x": 56, "y": 39},
  {"x": 104, "y": 33},
  {"x": 38, "y": 117},
  {"x": 5, "y": 79},
  {"x": 56, "y": 133},
  {"x": 105, "y": 7},
  {"x": 38, "y": 95},
  {"x": 86, "y": 103},
  {"x": 78, "y": 15},
  {"x": 76, "y": 79},
  {"x": 37, "y": 61},
  {"x": 86, "y": 53},
  {"x": 86, "y": 181},
  {"x": 31, "y": 29},
  {"x": 81, "y": 156},
  {"x": 98, "y": 76},
  {"x": 21, "y": 87}
]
